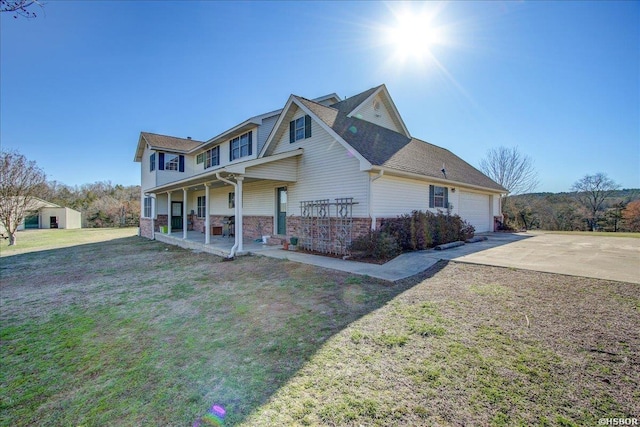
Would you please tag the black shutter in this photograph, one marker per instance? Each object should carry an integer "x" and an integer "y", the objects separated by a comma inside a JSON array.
[
  {"x": 431, "y": 196},
  {"x": 292, "y": 131},
  {"x": 161, "y": 161},
  {"x": 231, "y": 150},
  {"x": 152, "y": 162},
  {"x": 307, "y": 126},
  {"x": 181, "y": 163},
  {"x": 250, "y": 143}
]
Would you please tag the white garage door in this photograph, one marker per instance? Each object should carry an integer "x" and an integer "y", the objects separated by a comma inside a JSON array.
[{"x": 476, "y": 209}]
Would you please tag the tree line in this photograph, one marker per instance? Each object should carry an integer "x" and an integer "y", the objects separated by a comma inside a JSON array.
[
  {"x": 595, "y": 202},
  {"x": 619, "y": 211}
]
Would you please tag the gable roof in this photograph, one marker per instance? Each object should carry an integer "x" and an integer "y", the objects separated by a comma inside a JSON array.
[
  {"x": 348, "y": 105},
  {"x": 386, "y": 148},
  {"x": 164, "y": 142},
  {"x": 351, "y": 106}
]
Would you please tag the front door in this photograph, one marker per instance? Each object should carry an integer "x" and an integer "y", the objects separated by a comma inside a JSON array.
[
  {"x": 53, "y": 222},
  {"x": 176, "y": 215},
  {"x": 282, "y": 210}
]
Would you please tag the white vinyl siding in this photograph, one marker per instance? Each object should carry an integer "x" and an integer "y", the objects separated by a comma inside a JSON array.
[
  {"x": 281, "y": 170},
  {"x": 264, "y": 130},
  {"x": 393, "y": 196},
  {"x": 381, "y": 117},
  {"x": 326, "y": 170}
]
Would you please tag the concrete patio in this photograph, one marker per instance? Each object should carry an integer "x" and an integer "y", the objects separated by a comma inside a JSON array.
[{"x": 219, "y": 245}]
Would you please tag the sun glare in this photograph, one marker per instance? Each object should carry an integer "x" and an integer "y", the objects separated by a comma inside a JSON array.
[{"x": 414, "y": 34}]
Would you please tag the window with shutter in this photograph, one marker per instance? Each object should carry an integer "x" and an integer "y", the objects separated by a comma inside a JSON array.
[
  {"x": 241, "y": 146},
  {"x": 300, "y": 128},
  {"x": 438, "y": 197}
]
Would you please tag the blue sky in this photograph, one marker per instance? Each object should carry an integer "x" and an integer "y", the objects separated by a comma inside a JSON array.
[{"x": 560, "y": 80}]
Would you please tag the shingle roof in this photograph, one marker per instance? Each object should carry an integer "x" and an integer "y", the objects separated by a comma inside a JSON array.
[
  {"x": 385, "y": 147},
  {"x": 171, "y": 143},
  {"x": 346, "y": 106},
  {"x": 427, "y": 159}
]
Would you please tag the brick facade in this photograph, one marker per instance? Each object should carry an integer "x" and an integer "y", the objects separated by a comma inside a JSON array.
[
  {"x": 360, "y": 226},
  {"x": 254, "y": 227},
  {"x": 146, "y": 225}
]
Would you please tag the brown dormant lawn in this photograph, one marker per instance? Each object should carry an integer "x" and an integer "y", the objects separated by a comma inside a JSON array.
[{"x": 134, "y": 332}]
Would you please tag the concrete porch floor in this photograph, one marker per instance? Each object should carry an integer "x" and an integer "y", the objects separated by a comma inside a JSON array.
[{"x": 218, "y": 245}]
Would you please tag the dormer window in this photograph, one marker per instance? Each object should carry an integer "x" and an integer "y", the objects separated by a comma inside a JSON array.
[
  {"x": 240, "y": 146},
  {"x": 299, "y": 128},
  {"x": 171, "y": 162}
]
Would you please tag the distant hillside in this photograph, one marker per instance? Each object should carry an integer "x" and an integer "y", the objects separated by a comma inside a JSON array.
[
  {"x": 561, "y": 211},
  {"x": 628, "y": 194}
]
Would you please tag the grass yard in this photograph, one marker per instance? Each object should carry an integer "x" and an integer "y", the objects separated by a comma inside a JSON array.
[
  {"x": 134, "y": 332},
  {"x": 38, "y": 240}
]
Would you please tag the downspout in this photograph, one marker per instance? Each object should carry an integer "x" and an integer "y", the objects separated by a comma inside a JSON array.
[
  {"x": 232, "y": 253},
  {"x": 371, "y": 214}
]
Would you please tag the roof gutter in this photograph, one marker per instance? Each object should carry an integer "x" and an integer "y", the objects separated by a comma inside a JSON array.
[{"x": 390, "y": 171}]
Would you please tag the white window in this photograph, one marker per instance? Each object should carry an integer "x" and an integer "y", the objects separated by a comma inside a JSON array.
[
  {"x": 438, "y": 197},
  {"x": 240, "y": 146},
  {"x": 299, "y": 128},
  {"x": 171, "y": 162},
  {"x": 202, "y": 206},
  {"x": 212, "y": 157},
  {"x": 147, "y": 207}
]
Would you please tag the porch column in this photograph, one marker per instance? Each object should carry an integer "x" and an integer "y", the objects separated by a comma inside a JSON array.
[
  {"x": 153, "y": 216},
  {"x": 184, "y": 214},
  {"x": 169, "y": 212},
  {"x": 207, "y": 220},
  {"x": 239, "y": 236}
]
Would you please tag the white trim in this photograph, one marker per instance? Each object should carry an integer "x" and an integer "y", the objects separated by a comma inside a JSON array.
[{"x": 448, "y": 182}]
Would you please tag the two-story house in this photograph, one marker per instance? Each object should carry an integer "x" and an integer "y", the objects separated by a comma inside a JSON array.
[{"x": 322, "y": 170}]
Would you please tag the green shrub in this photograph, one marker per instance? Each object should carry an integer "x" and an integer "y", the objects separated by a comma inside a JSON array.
[
  {"x": 375, "y": 244},
  {"x": 424, "y": 230}
]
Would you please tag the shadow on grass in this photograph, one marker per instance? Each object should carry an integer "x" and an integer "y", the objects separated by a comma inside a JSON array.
[{"x": 132, "y": 331}]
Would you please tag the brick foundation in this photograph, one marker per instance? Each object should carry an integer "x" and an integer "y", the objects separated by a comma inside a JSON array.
[
  {"x": 146, "y": 229},
  {"x": 360, "y": 226},
  {"x": 254, "y": 227}
]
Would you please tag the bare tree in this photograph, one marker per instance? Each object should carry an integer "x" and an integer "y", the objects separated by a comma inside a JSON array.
[
  {"x": 19, "y": 7},
  {"x": 21, "y": 181},
  {"x": 511, "y": 169},
  {"x": 591, "y": 191}
]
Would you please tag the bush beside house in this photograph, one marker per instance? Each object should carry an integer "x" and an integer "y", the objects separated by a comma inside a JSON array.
[{"x": 416, "y": 231}]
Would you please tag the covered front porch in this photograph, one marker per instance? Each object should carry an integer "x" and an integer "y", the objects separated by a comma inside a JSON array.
[
  {"x": 218, "y": 245},
  {"x": 246, "y": 200}
]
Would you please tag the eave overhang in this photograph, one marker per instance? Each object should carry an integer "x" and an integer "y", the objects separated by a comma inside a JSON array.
[{"x": 448, "y": 182}]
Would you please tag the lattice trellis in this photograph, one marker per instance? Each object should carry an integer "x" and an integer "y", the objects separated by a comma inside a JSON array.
[
  {"x": 344, "y": 224},
  {"x": 326, "y": 230}
]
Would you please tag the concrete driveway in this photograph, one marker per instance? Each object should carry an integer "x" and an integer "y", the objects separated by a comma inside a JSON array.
[{"x": 597, "y": 256}]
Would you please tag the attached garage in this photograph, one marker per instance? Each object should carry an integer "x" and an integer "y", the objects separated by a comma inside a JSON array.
[{"x": 475, "y": 208}]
